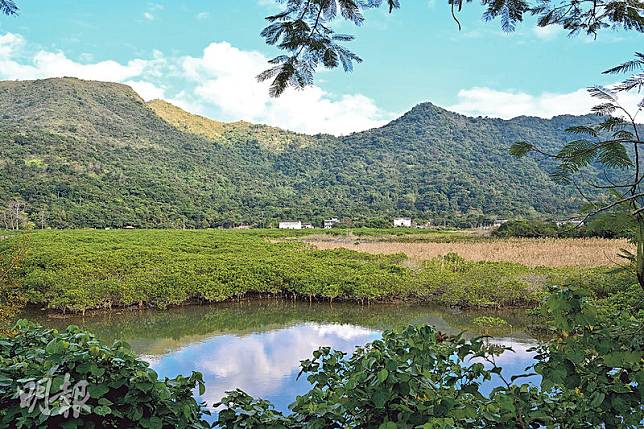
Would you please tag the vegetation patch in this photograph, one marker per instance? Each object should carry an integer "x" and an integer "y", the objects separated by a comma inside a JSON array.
[
  {"x": 490, "y": 322},
  {"x": 615, "y": 224},
  {"x": 91, "y": 384},
  {"x": 535, "y": 252},
  {"x": 82, "y": 270}
]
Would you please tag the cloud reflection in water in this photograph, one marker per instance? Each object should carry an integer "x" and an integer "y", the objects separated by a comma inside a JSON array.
[{"x": 262, "y": 364}]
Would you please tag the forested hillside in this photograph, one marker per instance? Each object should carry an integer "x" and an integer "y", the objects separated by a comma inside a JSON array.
[{"x": 76, "y": 153}]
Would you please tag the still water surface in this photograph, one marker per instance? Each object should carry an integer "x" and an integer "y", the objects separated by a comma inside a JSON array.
[{"x": 257, "y": 346}]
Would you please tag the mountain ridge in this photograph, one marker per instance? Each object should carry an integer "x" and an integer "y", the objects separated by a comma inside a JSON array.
[
  {"x": 269, "y": 136},
  {"x": 93, "y": 154}
]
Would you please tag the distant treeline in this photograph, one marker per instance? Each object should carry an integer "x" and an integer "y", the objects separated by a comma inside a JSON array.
[{"x": 609, "y": 225}]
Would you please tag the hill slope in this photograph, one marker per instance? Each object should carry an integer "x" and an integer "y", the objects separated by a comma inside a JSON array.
[
  {"x": 230, "y": 132},
  {"x": 93, "y": 154}
]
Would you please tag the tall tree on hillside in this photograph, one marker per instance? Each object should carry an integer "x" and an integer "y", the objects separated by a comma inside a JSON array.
[
  {"x": 302, "y": 29},
  {"x": 13, "y": 215},
  {"x": 614, "y": 143}
]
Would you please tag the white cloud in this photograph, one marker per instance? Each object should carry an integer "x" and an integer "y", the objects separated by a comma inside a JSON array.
[
  {"x": 221, "y": 84},
  {"x": 262, "y": 363},
  {"x": 548, "y": 32},
  {"x": 203, "y": 15},
  {"x": 485, "y": 101},
  {"x": 147, "y": 91},
  {"x": 9, "y": 44},
  {"x": 45, "y": 64},
  {"x": 225, "y": 79},
  {"x": 268, "y": 3},
  {"x": 55, "y": 64},
  {"x": 152, "y": 8}
]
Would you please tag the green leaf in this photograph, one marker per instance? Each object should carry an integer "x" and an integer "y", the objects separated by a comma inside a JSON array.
[
  {"x": 96, "y": 371},
  {"x": 596, "y": 399},
  {"x": 155, "y": 423},
  {"x": 97, "y": 390},
  {"x": 382, "y": 375},
  {"x": 520, "y": 149},
  {"x": 104, "y": 401},
  {"x": 622, "y": 359},
  {"x": 380, "y": 398},
  {"x": 54, "y": 346},
  {"x": 102, "y": 410}
]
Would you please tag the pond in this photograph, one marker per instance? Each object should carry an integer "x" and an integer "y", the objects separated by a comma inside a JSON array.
[{"x": 257, "y": 345}]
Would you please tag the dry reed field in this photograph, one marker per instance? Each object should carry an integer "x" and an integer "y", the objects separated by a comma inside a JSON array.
[{"x": 549, "y": 252}]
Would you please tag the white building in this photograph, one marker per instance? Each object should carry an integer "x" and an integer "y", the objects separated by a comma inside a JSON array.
[
  {"x": 290, "y": 225},
  {"x": 330, "y": 223},
  {"x": 569, "y": 222},
  {"x": 403, "y": 222},
  {"x": 497, "y": 223}
]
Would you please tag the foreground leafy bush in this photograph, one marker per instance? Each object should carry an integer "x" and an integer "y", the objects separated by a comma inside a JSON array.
[
  {"x": 120, "y": 390},
  {"x": 413, "y": 378},
  {"x": 594, "y": 363},
  {"x": 591, "y": 376}
]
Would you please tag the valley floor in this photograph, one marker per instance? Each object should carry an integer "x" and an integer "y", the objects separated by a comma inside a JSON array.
[{"x": 81, "y": 270}]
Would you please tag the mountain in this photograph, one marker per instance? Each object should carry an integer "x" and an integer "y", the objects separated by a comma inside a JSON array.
[
  {"x": 222, "y": 132},
  {"x": 94, "y": 154}
]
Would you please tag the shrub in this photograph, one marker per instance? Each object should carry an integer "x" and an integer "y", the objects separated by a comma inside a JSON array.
[
  {"x": 606, "y": 225},
  {"x": 611, "y": 225},
  {"x": 11, "y": 298},
  {"x": 82, "y": 270},
  {"x": 122, "y": 391},
  {"x": 591, "y": 376},
  {"x": 527, "y": 229}
]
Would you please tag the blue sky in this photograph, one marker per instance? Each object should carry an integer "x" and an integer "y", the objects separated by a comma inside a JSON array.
[{"x": 203, "y": 54}]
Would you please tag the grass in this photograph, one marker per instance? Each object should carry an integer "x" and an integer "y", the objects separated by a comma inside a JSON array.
[
  {"x": 547, "y": 252},
  {"x": 403, "y": 234}
]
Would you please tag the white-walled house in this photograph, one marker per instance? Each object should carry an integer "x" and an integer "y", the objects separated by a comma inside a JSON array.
[
  {"x": 290, "y": 225},
  {"x": 497, "y": 223},
  {"x": 403, "y": 222}
]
